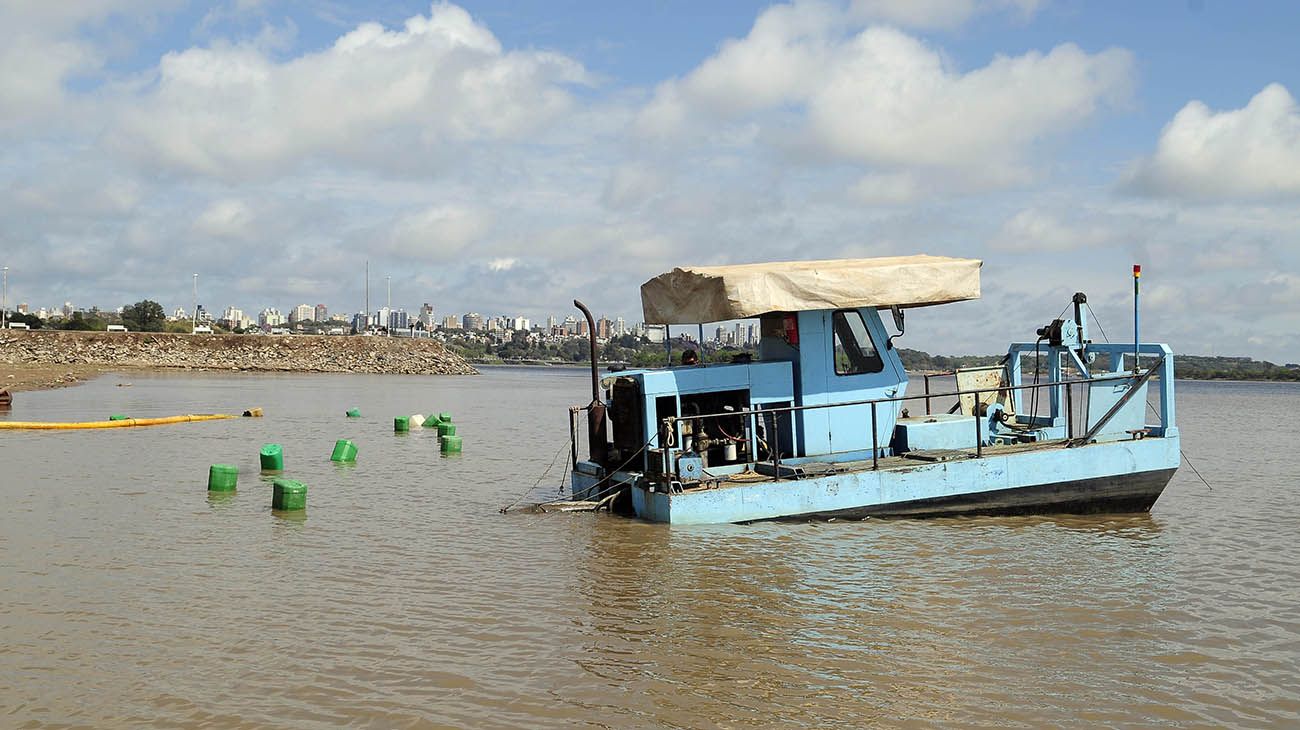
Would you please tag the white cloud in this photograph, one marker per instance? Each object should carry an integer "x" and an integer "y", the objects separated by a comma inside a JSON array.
[
  {"x": 892, "y": 100},
  {"x": 435, "y": 233},
  {"x": 42, "y": 47},
  {"x": 631, "y": 185},
  {"x": 1252, "y": 152},
  {"x": 502, "y": 264},
  {"x": 942, "y": 14},
  {"x": 879, "y": 97},
  {"x": 887, "y": 189},
  {"x": 1284, "y": 289},
  {"x": 1034, "y": 229},
  {"x": 234, "y": 112},
  {"x": 225, "y": 219}
]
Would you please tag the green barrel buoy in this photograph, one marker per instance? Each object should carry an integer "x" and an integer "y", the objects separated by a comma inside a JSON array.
[
  {"x": 446, "y": 429},
  {"x": 354, "y": 413},
  {"x": 288, "y": 495},
  {"x": 451, "y": 444},
  {"x": 401, "y": 424},
  {"x": 432, "y": 421},
  {"x": 118, "y": 417},
  {"x": 344, "y": 451},
  {"x": 222, "y": 478},
  {"x": 445, "y": 417},
  {"x": 272, "y": 457}
]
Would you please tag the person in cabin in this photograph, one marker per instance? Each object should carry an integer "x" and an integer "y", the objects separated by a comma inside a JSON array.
[{"x": 690, "y": 357}]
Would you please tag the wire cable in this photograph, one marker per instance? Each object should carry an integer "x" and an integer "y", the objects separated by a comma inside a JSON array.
[
  {"x": 1096, "y": 319},
  {"x": 529, "y": 491},
  {"x": 606, "y": 478}
]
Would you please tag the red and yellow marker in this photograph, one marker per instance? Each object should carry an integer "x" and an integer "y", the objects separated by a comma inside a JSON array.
[{"x": 1137, "y": 275}]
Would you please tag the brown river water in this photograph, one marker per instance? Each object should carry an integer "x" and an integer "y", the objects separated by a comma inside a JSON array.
[{"x": 401, "y": 598}]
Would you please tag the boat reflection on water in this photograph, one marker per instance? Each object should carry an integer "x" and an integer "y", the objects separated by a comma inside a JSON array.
[{"x": 877, "y": 621}]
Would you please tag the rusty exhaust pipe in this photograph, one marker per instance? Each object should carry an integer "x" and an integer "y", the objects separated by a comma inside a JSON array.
[{"x": 595, "y": 411}]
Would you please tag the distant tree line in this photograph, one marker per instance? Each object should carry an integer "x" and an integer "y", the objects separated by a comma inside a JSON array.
[{"x": 1198, "y": 367}]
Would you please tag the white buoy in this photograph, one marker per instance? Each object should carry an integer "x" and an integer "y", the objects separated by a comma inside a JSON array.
[{"x": 417, "y": 420}]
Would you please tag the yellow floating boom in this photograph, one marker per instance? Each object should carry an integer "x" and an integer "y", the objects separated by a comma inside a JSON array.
[{"x": 122, "y": 423}]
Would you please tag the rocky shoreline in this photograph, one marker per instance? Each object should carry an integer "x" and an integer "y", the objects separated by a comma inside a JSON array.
[{"x": 60, "y": 352}]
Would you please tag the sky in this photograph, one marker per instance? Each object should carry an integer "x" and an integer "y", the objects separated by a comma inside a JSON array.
[{"x": 506, "y": 157}]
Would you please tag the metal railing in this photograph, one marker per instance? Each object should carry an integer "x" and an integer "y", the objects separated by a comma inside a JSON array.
[{"x": 670, "y": 423}]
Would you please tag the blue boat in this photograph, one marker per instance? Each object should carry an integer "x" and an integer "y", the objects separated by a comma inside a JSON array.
[{"x": 822, "y": 424}]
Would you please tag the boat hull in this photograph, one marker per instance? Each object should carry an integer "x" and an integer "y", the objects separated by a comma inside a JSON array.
[
  {"x": 1115, "y": 477},
  {"x": 1102, "y": 495}
]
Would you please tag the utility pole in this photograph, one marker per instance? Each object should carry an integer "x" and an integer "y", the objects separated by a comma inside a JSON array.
[
  {"x": 367, "y": 317},
  {"x": 4, "y": 302},
  {"x": 388, "y": 281}
]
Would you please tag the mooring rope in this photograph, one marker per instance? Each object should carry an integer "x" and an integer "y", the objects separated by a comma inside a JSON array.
[
  {"x": 529, "y": 491},
  {"x": 606, "y": 478},
  {"x": 1186, "y": 458}
]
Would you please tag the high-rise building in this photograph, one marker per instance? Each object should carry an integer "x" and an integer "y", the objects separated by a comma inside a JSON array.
[
  {"x": 550, "y": 323},
  {"x": 397, "y": 320},
  {"x": 426, "y": 315},
  {"x": 322, "y": 313},
  {"x": 233, "y": 317},
  {"x": 269, "y": 317},
  {"x": 472, "y": 321},
  {"x": 620, "y": 326},
  {"x": 603, "y": 327},
  {"x": 451, "y": 322},
  {"x": 67, "y": 309},
  {"x": 570, "y": 325},
  {"x": 301, "y": 313},
  {"x": 180, "y": 313}
]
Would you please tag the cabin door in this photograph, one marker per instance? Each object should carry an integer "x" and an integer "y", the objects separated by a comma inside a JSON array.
[{"x": 861, "y": 369}]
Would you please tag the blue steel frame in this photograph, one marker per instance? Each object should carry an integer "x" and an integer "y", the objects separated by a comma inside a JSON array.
[
  {"x": 1116, "y": 354},
  {"x": 1164, "y": 428}
]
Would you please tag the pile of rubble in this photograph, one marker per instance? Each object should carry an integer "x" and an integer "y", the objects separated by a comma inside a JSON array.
[{"x": 283, "y": 353}]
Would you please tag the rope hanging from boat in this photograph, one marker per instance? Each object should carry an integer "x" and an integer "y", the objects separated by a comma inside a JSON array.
[
  {"x": 1150, "y": 405},
  {"x": 603, "y": 497},
  {"x": 530, "y": 490}
]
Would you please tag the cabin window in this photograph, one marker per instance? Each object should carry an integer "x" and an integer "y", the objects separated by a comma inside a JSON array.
[{"x": 855, "y": 354}]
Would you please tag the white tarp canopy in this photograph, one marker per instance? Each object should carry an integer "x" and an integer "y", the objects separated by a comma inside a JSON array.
[{"x": 698, "y": 294}]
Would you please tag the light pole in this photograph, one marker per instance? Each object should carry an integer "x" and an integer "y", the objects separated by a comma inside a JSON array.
[
  {"x": 4, "y": 303},
  {"x": 194, "y": 320}
]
